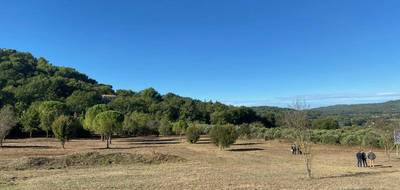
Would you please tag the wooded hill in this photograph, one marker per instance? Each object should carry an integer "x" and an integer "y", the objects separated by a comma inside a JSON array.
[{"x": 27, "y": 81}]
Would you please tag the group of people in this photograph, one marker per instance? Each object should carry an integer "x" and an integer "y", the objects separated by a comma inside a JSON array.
[
  {"x": 296, "y": 149},
  {"x": 361, "y": 156},
  {"x": 362, "y": 159}
]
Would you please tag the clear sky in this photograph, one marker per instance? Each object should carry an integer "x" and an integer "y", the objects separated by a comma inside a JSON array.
[{"x": 242, "y": 52}]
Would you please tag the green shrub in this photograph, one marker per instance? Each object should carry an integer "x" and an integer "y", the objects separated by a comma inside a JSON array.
[
  {"x": 330, "y": 137},
  {"x": 325, "y": 123},
  {"x": 269, "y": 134},
  {"x": 180, "y": 127},
  {"x": 350, "y": 139},
  {"x": 223, "y": 135},
  {"x": 288, "y": 133},
  {"x": 193, "y": 134},
  {"x": 244, "y": 131},
  {"x": 165, "y": 128},
  {"x": 371, "y": 140}
]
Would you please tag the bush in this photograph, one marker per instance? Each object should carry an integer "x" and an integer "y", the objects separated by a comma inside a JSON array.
[
  {"x": 165, "y": 128},
  {"x": 330, "y": 137},
  {"x": 371, "y": 139},
  {"x": 205, "y": 128},
  {"x": 244, "y": 131},
  {"x": 180, "y": 127},
  {"x": 350, "y": 139},
  {"x": 223, "y": 135},
  {"x": 325, "y": 123},
  {"x": 193, "y": 134},
  {"x": 269, "y": 134}
]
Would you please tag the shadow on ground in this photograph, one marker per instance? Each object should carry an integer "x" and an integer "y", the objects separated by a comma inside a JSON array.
[
  {"x": 358, "y": 174},
  {"x": 245, "y": 149},
  {"x": 28, "y": 146},
  {"x": 245, "y": 144}
]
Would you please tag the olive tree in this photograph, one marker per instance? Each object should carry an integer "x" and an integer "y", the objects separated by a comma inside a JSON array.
[
  {"x": 223, "y": 136},
  {"x": 8, "y": 120},
  {"x": 385, "y": 130},
  {"x": 107, "y": 123},
  {"x": 63, "y": 128},
  {"x": 179, "y": 128},
  {"x": 193, "y": 134},
  {"x": 297, "y": 119}
]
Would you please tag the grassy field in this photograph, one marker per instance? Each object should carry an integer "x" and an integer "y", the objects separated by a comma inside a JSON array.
[{"x": 246, "y": 165}]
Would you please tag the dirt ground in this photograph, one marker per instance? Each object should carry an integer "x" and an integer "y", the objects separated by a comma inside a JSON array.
[{"x": 250, "y": 164}]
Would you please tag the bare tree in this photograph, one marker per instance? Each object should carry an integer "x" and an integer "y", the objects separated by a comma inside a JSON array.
[
  {"x": 7, "y": 121},
  {"x": 298, "y": 120}
]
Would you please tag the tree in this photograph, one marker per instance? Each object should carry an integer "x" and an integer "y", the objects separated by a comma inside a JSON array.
[
  {"x": 8, "y": 120},
  {"x": 385, "y": 130},
  {"x": 108, "y": 122},
  {"x": 63, "y": 128},
  {"x": 80, "y": 100},
  {"x": 297, "y": 120},
  {"x": 193, "y": 134},
  {"x": 48, "y": 112},
  {"x": 30, "y": 120},
  {"x": 325, "y": 123},
  {"x": 223, "y": 136},
  {"x": 180, "y": 127},
  {"x": 91, "y": 114},
  {"x": 138, "y": 124},
  {"x": 165, "y": 128}
]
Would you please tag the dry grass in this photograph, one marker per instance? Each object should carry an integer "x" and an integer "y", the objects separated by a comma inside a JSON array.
[{"x": 246, "y": 165}]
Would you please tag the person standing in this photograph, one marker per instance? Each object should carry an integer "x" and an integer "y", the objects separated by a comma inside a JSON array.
[
  {"x": 371, "y": 158},
  {"x": 293, "y": 149},
  {"x": 359, "y": 158},
  {"x": 364, "y": 159}
]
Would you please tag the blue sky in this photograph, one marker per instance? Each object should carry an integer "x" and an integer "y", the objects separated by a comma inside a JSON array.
[{"x": 236, "y": 51}]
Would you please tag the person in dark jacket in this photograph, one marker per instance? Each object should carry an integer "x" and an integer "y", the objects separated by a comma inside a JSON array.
[
  {"x": 359, "y": 159},
  {"x": 293, "y": 148},
  {"x": 371, "y": 158},
  {"x": 364, "y": 159}
]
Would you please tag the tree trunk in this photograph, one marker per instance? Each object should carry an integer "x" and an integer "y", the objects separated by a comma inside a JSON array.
[
  {"x": 108, "y": 145},
  {"x": 387, "y": 152},
  {"x": 30, "y": 134},
  {"x": 110, "y": 138},
  {"x": 102, "y": 137},
  {"x": 308, "y": 167}
]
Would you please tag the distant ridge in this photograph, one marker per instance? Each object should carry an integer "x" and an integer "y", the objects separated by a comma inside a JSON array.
[{"x": 390, "y": 107}]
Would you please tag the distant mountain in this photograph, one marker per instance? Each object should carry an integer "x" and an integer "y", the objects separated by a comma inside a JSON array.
[{"x": 386, "y": 108}]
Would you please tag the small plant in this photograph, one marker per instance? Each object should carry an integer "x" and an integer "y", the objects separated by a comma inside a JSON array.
[
  {"x": 193, "y": 134},
  {"x": 223, "y": 136}
]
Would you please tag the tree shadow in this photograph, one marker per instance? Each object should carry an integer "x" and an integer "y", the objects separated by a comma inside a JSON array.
[
  {"x": 382, "y": 166},
  {"x": 358, "y": 174},
  {"x": 126, "y": 148},
  {"x": 245, "y": 149},
  {"x": 244, "y": 144},
  {"x": 144, "y": 139},
  {"x": 203, "y": 142},
  {"x": 29, "y": 146},
  {"x": 155, "y": 142}
]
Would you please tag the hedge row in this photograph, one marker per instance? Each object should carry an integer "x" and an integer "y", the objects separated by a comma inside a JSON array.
[{"x": 352, "y": 136}]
